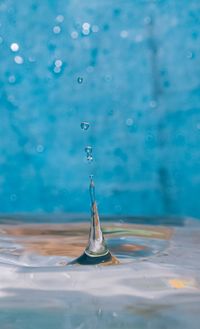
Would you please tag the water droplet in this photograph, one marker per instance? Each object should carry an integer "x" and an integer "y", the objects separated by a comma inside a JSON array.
[
  {"x": 85, "y": 125},
  {"x": 80, "y": 80},
  {"x": 95, "y": 28},
  {"x": 12, "y": 79},
  {"x": 86, "y": 28},
  {"x": 19, "y": 60},
  {"x": 198, "y": 126},
  {"x": 147, "y": 20},
  {"x": 58, "y": 63},
  {"x": 190, "y": 54},
  {"x": 90, "y": 158},
  {"x": 124, "y": 34},
  {"x": 40, "y": 148},
  {"x": 57, "y": 69},
  {"x": 129, "y": 122},
  {"x": 60, "y": 18},
  {"x": 14, "y": 46},
  {"x": 31, "y": 59},
  {"x": 57, "y": 29},
  {"x": 153, "y": 104},
  {"x": 13, "y": 197},
  {"x": 88, "y": 151},
  {"x": 74, "y": 35},
  {"x": 107, "y": 77}
]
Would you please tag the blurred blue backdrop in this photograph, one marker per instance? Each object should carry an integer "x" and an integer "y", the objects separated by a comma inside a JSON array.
[{"x": 130, "y": 68}]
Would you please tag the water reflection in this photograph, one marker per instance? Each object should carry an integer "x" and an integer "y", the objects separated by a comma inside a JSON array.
[{"x": 125, "y": 241}]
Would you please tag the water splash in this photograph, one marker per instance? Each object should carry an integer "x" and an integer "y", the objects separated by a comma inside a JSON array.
[
  {"x": 96, "y": 251},
  {"x": 96, "y": 244}
]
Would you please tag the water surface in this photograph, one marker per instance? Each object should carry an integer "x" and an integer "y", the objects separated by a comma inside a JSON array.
[{"x": 156, "y": 284}]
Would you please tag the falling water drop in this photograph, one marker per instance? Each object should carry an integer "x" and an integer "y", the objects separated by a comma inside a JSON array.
[
  {"x": 80, "y": 80},
  {"x": 85, "y": 125},
  {"x": 88, "y": 151}
]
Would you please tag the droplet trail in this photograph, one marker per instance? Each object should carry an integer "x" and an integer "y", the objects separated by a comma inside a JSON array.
[{"x": 88, "y": 151}]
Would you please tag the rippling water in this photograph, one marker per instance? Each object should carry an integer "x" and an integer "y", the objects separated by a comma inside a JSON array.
[{"x": 156, "y": 284}]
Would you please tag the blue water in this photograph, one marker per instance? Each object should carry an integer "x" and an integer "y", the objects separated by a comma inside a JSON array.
[{"x": 128, "y": 67}]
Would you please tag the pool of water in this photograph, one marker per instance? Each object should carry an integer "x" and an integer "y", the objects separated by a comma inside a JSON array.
[{"x": 154, "y": 284}]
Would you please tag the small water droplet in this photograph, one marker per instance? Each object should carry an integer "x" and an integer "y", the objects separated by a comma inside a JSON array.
[
  {"x": 57, "y": 29},
  {"x": 80, "y": 80},
  {"x": 57, "y": 69},
  {"x": 124, "y": 34},
  {"x": 147, "y": 20},
  {"x": 40, "y": 148},
  {"x": 129, "y": 122},
  {"x": 74, "y": 35},
  {"x": 89, "y": 158},
  {"x": 58, "y": 63},
  {"x": 19, "y": 60},
  {"x": 31, "y": 59},
  {"x": 88, "y": 151},
  {"x": 153, "y": 104},
  {"x": 12, "y": 79},
  {"x": 60, "y": 18},
  {"x": 95, "y": 28},
  {"x": 107, "y": 77},
  {"x": 190, "y": 54},
  {"x": 85, "y": 125},
  {"x": 86, "y": 28},
  {"x": 14, "y": 46},
  {"x": 13, "y": 197}
]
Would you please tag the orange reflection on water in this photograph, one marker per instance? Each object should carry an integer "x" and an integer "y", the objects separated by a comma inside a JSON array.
[{"x": 71, "y": 239}]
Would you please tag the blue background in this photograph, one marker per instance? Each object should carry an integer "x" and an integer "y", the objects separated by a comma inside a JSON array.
[{"x": 140, "y": 64}]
